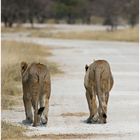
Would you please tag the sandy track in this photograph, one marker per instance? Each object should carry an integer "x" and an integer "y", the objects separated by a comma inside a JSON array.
[{"x": 68, "y": 106}]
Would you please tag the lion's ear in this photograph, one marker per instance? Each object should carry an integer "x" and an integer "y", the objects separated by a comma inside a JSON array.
[
  {"x": 24, "y": 66},
  {"x": 86, "y": 67}
]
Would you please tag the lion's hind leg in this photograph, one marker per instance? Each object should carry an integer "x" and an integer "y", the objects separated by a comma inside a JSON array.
[
  {"x": 44, "y": 101},
  {"x": 89, "y": 106},
  {"x": 35, "y": 101},
  {"x": 42, "y": 109},
  {"x": 102, "y": 109},
  {"x": 91, "y": 99},
  {"x": 45, "y": 113},
  {"x": 28, "y": 110},
  {"x": 36, "y": 114}
]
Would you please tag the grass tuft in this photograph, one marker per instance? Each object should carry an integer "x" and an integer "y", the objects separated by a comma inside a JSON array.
[{"x": 10, "y": 131}]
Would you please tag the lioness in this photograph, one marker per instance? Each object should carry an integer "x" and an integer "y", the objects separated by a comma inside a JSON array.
[
  {"x": 98, "y": 81},
  {"x": 36, "y": 91}
]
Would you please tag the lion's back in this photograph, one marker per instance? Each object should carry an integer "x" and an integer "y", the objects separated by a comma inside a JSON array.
[
  {"x": 40, "y": 71},
  {"x": 99, "y": 69}
]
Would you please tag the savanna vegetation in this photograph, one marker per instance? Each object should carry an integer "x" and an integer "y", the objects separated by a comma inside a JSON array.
[
  {"x": 10, "y": 131},
  {"x": 12, "y": 54},
  {"x": 112, "y": 12},
  {"x": 127, "y": 34}
]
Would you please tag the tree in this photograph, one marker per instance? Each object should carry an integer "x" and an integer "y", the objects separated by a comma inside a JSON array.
[
  {"x": 131, "y": 11},
  {"x": 23, "y": 11},
  {"x": 69, "y": 10},
  {"x": 19, "y": 11},
  {"x": 9, "y": 14},
  {"x": 109, "y": 10}
]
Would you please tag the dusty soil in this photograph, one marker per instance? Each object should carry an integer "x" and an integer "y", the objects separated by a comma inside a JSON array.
[{"x": 68, "y": 107}]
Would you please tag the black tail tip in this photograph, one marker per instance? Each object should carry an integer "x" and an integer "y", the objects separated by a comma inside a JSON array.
[
  {"x": 40, "y": 110},
  {"x": 104, "y": 116}
]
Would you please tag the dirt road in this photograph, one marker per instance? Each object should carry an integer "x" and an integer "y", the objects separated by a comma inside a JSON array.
[{"x": 68, "y": 107}]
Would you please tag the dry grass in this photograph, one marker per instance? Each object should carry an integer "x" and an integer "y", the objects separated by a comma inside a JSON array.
[
  {"x": 76, "y": 136},
  {"x": 77, "y": 114},
  {"x": 12, "y": 55},
  {"x": 10, "y": 131},
  {"x": 15, "y": 29},
  {"x": 26, "y": 29},
  {"x": 13, "y": 132},
  {"x": 129, "y": 34}
]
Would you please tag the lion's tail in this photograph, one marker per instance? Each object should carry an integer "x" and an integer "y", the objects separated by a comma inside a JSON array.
[
  {"x": 40, "y": 110},
  {"x": 99, "y": 92}
]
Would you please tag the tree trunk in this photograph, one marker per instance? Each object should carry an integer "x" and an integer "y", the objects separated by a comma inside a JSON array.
[
  {"x": 10, "y": 24},
  {"x": 32, "y": 22},
  {"x": 70, "y": 19}
]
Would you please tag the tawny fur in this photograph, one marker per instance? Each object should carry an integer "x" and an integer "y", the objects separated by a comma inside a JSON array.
[
  {"x": 36, "y": 91},
  {"x": 98, "y": 83}
]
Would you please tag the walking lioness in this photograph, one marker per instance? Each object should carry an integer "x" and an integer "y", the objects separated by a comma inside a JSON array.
[
  {"x": 98, "y": 81},
  {"x": 36, "y": 92}
]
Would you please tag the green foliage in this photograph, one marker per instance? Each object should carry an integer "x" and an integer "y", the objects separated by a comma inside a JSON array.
[{"x": 69, "y": 10}]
